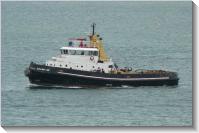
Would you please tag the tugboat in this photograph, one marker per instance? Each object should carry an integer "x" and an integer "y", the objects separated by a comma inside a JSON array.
[{"x": 85, "y": 63}]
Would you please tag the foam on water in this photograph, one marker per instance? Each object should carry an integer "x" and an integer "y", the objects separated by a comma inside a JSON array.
[{"x": 35, "y": 86}]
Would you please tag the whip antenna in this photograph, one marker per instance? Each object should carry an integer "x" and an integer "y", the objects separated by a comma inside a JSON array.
[{"x": 93, "y": 26}]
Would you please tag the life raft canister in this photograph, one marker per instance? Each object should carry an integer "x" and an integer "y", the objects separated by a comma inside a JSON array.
[{"x": 92, "y": 58}]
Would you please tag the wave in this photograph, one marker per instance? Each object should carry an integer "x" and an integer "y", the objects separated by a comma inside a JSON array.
[{"x": 35, "y": 86}]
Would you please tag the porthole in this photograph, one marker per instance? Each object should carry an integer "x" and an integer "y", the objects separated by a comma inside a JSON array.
[
  {"x": 81, "y": 66},
  {"x": 66, "y": 65},
  {"x": 93, "y": 66}
]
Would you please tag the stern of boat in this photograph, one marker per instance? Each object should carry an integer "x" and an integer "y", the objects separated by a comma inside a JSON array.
[{"x": 173, "y": 78}]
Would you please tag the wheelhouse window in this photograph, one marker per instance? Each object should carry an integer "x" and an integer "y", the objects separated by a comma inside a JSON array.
[
  {"x": 63, "y": 51},
  {"x": 95, "y": 53},
  {"x": 72, "y": 52},
  {"x": 79, "y": 52},
  {"x": 91, "y": 53}
]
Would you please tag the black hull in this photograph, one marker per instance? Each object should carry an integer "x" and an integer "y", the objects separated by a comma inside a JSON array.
[{"x": 43, "y": 75}]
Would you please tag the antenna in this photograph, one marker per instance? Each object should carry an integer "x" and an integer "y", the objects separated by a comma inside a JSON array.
[{"x": 93, "y": 26}]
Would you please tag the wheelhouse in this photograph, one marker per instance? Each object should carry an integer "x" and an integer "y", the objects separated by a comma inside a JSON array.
[{"x": 79, "y": 51}]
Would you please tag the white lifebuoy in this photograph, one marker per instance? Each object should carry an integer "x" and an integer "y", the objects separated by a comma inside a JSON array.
[{"x": 92, "y": 58}]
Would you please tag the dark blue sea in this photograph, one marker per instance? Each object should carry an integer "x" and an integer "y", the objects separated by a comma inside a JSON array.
[{"x": 143, "y": 35}]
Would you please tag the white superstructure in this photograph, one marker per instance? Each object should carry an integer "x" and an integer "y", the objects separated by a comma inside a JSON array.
[
  {"x": 87, "y": 56},
  {"x": 80, "y": 58}
]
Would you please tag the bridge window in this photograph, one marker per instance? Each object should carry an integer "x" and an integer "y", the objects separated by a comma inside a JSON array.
[
  {"x": 65, "y": 51},
  {"x": 72, "y": 52},
  {"x": 95, "y": 53},
  {"x": 79, "y": 52},
  {"x": 91, "y": 53}
]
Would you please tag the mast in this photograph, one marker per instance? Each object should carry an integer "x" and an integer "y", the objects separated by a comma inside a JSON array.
[
  {"x": 93, "y": 26},
  {"x": 96, "y": 41}
]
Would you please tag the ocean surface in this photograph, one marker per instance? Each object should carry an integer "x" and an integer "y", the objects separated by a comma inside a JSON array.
[{"x": 143, "y": 35}]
